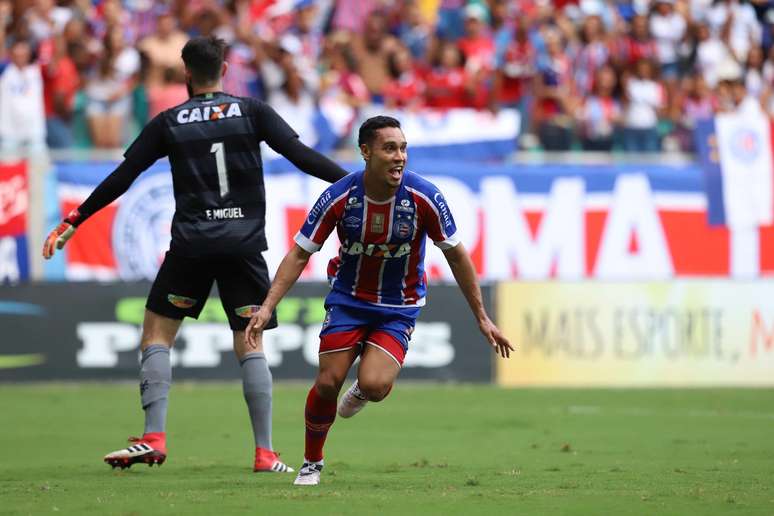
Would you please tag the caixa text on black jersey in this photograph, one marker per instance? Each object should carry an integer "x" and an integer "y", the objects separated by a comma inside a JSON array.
[{"x": 186, "y": 116}]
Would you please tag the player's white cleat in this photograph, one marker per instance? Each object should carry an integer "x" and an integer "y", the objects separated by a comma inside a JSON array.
[
  {"x": 309, "y": 474},
  {"x": 352, "y": 402},
  {"x": 144, "y": 451}
]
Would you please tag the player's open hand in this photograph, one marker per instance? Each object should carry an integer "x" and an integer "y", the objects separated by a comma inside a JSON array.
[
  {"x": 255, "y": 327},
  {"x": 495, "y": 337},
  {"x": 57, "y": 238},
  {"x": 61, "y": 234}
]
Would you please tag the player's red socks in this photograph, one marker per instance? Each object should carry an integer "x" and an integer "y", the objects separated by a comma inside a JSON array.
[
  {"x": 156, "y": 440},
  {"x": 319, "y": 416}
]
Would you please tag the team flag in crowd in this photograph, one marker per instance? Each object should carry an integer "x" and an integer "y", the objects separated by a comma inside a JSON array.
[{"x": 736, "y": 152}]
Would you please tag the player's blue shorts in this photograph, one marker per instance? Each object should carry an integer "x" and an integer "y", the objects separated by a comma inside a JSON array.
[{"x": 388, "y": 329}]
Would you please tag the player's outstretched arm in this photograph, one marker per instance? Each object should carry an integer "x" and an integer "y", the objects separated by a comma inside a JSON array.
[
  {"x": 289, "y": 270},
  {"x": 310, "y": 161},
  {"x": 465, "y": 275},
  {"x": 110, "y": 189},
  {"x": 284, "y": 140},
  {"x": 146, "y": 149}
]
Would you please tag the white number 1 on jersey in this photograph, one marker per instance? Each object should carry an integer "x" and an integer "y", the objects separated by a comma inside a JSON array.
[{"x": 220, "y": 163}]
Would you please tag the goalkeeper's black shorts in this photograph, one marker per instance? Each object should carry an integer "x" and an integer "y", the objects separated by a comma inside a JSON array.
[{"x": 183, "y": 284}]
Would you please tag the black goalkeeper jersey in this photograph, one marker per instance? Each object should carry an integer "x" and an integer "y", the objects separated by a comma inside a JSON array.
[{"x": 212, "y": 142}]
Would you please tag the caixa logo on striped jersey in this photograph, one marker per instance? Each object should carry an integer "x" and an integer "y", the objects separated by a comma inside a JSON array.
[{"x": 142, "y": 227}]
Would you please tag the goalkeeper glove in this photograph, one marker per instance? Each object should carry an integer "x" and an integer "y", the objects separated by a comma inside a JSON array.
[{"x": 61, "y": 234}]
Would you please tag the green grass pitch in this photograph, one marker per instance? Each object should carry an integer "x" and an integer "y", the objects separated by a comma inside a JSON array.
[{"x": 453, "y": 449}]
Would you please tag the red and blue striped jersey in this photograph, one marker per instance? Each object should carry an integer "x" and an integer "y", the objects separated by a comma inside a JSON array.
[{"x": 382, "y": 251}]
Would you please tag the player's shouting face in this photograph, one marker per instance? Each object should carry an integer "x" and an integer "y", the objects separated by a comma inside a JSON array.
[{"x": 385, "y": 156}]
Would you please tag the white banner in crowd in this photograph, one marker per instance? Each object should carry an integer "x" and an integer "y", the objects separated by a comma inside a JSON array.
[
  {"x": 462, "y": 134},
  {"x": 744, "y": 142}
]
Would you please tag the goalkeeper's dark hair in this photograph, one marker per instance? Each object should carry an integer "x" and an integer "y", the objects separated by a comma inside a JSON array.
[
  {"x": 203, "y": 58},
  {"x": 368, "y": 129}
]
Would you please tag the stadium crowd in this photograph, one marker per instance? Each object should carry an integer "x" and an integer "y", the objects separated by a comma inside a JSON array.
[{"x": 631, "y": 75}]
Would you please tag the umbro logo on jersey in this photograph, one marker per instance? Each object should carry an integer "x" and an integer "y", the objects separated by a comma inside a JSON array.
[
  {"x": 186, "y": 116},
  {"x": 351, "y": 222}
]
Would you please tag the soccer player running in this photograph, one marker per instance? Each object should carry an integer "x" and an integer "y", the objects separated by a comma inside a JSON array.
[
  {"x": 378, "y": 285},
  {"x": 212, "y": 142}
]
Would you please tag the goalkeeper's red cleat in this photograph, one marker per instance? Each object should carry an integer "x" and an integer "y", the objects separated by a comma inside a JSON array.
[
  {"x": 150, "y": 449},
  {"x": 267, "y": 461}
]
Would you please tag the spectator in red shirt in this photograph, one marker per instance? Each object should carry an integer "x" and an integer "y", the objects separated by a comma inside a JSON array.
[
  {"x": 60, "y": 84},
  {"x": 447, "y": 83},
  {"x": 478, "y": 47},
  {"x": 477, "y": 44},
  {"x": 516, "y": 72},
  {"x": 638, "y": 44},
  {"x": 405, "y": 88}
]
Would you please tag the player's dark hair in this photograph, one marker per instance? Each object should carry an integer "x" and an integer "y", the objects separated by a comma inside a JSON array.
[
  {"x": 203, "y": 58},
  {"x": 367, "y": 131}
]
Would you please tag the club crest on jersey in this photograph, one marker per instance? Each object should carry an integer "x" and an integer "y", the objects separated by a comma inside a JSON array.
[
  {"x": 377, "y": 223},
  {"x": 181, "y": 301},
  {"x": 186, "y": 116},
  {"x": 402, "y": 228},
  {"x": 351, "y": 222}
]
